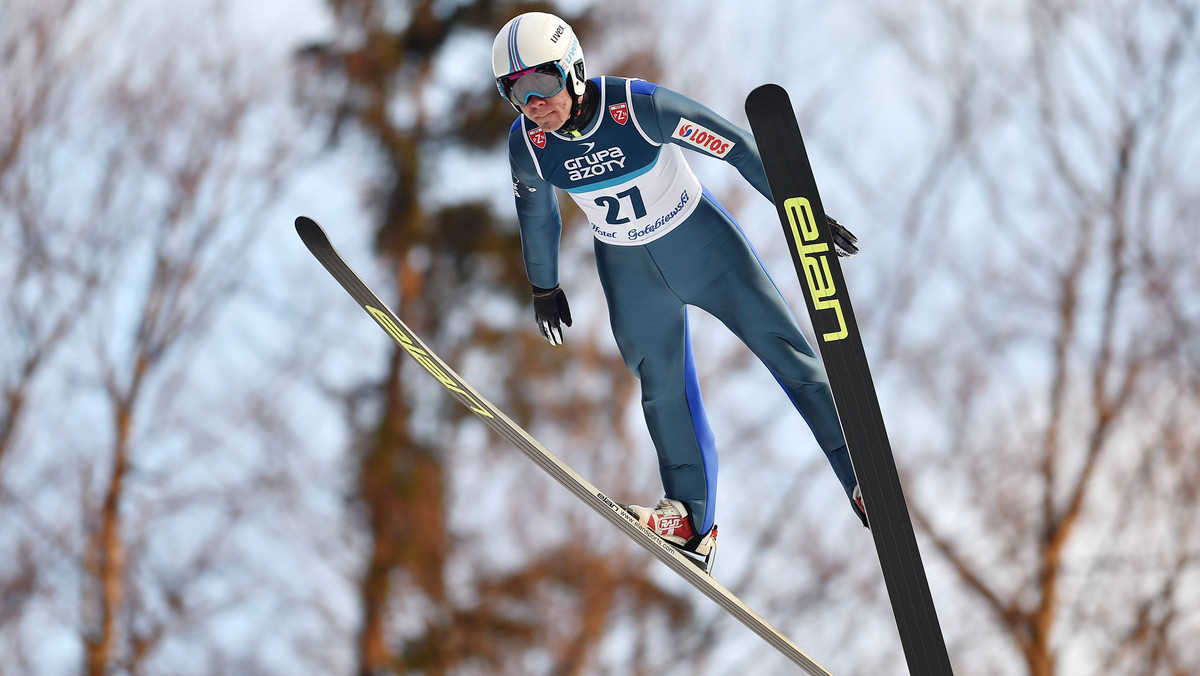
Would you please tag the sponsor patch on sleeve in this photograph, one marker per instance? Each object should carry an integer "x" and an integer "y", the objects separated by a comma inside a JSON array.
[{"x": 703, "y": 138}]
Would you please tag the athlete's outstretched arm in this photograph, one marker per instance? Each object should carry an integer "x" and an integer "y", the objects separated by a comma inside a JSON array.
[
  {"x": 671, "y": 117},
  {"x": 665, "y": 116}
]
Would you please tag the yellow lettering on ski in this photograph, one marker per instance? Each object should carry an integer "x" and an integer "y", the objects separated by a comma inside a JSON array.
[
  {"x": 426, "y": 360},
  {"x": 814, "y": 258}
]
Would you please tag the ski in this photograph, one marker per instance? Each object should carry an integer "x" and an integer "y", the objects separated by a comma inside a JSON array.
[
  {"x": 318, "y": 243},
  {"x": 794, "y": 188}
]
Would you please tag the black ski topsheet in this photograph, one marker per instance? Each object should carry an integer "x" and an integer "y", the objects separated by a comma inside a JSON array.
[
  {"x": 794, "y": 189},
  {"x": 318, "y": 243}
]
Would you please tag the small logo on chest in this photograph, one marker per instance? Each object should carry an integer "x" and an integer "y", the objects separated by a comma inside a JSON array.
[
  {"x": 619, "y": 112},
  {"x": 538, "y": 137}
]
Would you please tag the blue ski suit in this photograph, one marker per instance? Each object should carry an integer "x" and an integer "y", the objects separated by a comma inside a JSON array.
[{"x": 663, "y": 242}]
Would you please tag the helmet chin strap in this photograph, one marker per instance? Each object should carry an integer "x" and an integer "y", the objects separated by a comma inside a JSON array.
[{"x": 583, "y": 108}]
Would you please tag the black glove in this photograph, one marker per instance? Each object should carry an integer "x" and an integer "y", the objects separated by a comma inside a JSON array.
[
  {"x": 844, "y": 241},
  {"x": 550, "y": 309}
]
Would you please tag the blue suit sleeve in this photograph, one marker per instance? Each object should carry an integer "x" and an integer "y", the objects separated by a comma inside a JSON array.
[
  {"x": 537, "y": 214},
  {"x": 659, "y": 111}
]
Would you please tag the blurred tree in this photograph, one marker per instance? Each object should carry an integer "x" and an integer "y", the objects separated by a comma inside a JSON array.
[
  {"x": 129, "y": 183},
  {"x": 1047, "y": 342}
]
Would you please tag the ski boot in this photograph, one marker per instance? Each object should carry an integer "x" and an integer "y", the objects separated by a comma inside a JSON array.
[
  {"x": 670, "y": 521},
  {"x": 861, "y": 506}
]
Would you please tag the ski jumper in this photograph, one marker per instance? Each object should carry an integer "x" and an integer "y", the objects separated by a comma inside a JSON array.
[{"x": 663, "y": 242}]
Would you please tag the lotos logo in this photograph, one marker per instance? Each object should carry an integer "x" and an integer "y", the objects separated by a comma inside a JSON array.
[
  {"x": 619, "y": 112},
  {"x": 702, "y": 137},
  {"x": 814, "y": 258},
  {"x": 538, "y": 137}
]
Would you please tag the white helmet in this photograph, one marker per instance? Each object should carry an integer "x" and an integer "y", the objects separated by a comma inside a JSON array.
[{"x": 541, "y": 52}]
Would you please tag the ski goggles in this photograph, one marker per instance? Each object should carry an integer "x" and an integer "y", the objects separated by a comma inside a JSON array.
[{"x": 542, "y": 81}]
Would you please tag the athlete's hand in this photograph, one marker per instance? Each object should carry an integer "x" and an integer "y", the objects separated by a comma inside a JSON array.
[
  {"x": 844, "y": 241},
  {"x": 551, "y": 311}
]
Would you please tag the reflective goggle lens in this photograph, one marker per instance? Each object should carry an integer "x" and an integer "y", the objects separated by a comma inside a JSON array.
[{"x": 542, "y": 81}]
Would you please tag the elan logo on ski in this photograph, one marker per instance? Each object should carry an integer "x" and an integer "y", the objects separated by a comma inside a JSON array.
[
  {"x": 814, "y": 259},
  {"x": 538, "y": 137},
  {"x": 405, "y": 341},
  {"x": 619, "y": 112}
]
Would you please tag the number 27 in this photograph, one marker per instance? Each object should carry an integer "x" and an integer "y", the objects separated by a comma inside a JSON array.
[{"x": 613, "y": 204}]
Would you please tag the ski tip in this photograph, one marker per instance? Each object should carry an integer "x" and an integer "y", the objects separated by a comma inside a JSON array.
[
  {"x": 768, "y": 87},
  {"x": 311, "y": 232},
  {"x": 307, "y": 226},
  {"x": 768, "y": 92}
]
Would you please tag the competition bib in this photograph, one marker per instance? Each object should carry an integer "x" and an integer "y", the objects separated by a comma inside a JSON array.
[
  {"x": 632, "y": 189},
  {"x": 642, "y": 206}
]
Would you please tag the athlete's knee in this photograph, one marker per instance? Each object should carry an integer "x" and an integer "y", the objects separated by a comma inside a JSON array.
[
  {"x": 663, "y": 399},
  {"x": 795, "y": 367}
]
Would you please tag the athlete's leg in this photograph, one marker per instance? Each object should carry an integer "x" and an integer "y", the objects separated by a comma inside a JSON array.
[
  {"x": 737, "y": 290},
  {"x": 650, "y": 324}
]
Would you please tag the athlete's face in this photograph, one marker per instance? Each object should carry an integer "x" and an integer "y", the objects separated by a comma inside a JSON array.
[{"x": 551, "y": 113}]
